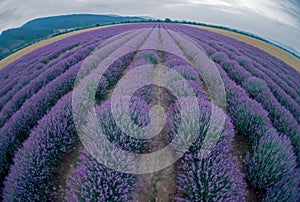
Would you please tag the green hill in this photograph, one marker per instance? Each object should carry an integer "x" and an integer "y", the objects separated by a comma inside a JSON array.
[{"x": 36, "y": 30}]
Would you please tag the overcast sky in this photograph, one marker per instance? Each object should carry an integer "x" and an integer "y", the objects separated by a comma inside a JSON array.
[{"x": 276, "y": 20}]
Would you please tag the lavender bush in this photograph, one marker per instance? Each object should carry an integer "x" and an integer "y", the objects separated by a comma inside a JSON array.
[
  {"x": 30, "y": 176},
  {"x": 22, "y": 95},
  {"x": 271, "y": 167},
  {"x": 215, "y": 178},
  {"x": 139, "y": 111},
  {"x": 16, "y": 130},
  {"x": 281, "y": 118},
  {"x": 95, "y": 182}
]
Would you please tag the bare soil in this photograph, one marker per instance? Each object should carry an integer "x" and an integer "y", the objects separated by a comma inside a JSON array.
[
  {"x": 65, "y": 170},
  {"x": 158, "y": 186},
  {"x": 239, "y": 149},
  {"x": 68, "y": 165}
]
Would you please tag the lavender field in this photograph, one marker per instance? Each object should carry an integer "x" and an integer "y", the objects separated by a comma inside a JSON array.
[{"x": 225, "y": 113}]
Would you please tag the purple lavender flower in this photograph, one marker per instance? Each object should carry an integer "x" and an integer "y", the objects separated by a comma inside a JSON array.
[{"x": 93, "y": 181}]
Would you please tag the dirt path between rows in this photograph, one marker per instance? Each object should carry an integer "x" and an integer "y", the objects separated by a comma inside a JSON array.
[
  {"x": 159, "y": 186},
  {"x": 65, "y": 170},
  {"x": 68, "y": 165},
  {"x": 239, "y": 149}
]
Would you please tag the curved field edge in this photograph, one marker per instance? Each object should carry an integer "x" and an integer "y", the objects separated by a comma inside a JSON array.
[
  {"x": 267, "y": 47},
  {"x": 13, "y": 57}
]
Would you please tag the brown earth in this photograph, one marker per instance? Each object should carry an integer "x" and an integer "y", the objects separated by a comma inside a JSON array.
[
  {"x": 239, "y": 148},
  {"x": 64, "y": 171},
  {"x": 158, "y": 186}
]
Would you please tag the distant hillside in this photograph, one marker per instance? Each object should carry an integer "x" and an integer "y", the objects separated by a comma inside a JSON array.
[{"x": 36, "y": 30}]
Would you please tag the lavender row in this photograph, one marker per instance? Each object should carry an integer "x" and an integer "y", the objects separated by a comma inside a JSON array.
[
  {"x": 115, "y": 71},
  {"x": 93, "y": 181},
  {"x": 177, "y": 84},
  {"x": 151, "y": 42},
  {"x": 5, "y": 89},
  {"x": 278, "y": 92},
  {"x": 271, "y": 168},
  {"x": 257, "y": 69},
  {"x": 275, "y": 72},
  {"x": 240, "y": 75},
  {"x": 43, "y": 100},
  {"x": 27, "y": 75},
  {"x": 12, "y": 193},
  {"x": 271, "y": 154},
  {"x": 51, "y": 49},
  {"x": 139, "y": 111},
  {"x": 138, "y": 107},
  {"x": 248, "y": 116},
  {"x": 58, "y": 52},
  {"x": 29, "y": 90},
  {"x": 215, "y": 178},
  {"x": 60, "y": 61},
  {"x": 204, "y": 37},
  {"x": 177, "y": 62},
  {"x": 255, "y": 61},
  {"x": 183, "y": 68},
  {"x": 83, "y": 185},
  {"x": 290, "y": 99},
  {"x": 284, "y": 73},
  {"x": 103, "y": 56},
  {"x": 16, "y": 130},
  {"x": 204, "y": 66},
  {"x": 189, "y": 76},
  {"x": 31, "y": 175},
  {"x": 243, "y": 75},
  {"x": 259, "y": 58},
  {"x": 144, "y": 57},
  {"x": 134, "y": 60},
  {"x": 24, "y": 64},
  {"x": 15, "y": 85},
  {"x": 279, "y": 180},
  {"x": 281, "y": 118}
]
